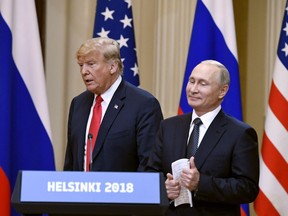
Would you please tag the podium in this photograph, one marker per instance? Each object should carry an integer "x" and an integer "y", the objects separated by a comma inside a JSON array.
[{"x": 89, "y": 193}]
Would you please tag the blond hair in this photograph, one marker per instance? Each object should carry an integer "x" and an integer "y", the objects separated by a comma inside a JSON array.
[{"x": 107, "y": 46}]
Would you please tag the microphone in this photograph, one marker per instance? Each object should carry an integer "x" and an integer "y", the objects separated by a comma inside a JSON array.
[{"x": 90, "y": 137}]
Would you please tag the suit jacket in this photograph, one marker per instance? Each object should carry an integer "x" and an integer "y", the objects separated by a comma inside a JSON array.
[
  {"x": 126, "y": 135},
  {"x": 227, "y": 160}
]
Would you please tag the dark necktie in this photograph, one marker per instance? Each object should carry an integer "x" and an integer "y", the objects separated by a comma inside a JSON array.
[
  {"x": 94, "y": 127},
  {"x": 194, "y": 137}
]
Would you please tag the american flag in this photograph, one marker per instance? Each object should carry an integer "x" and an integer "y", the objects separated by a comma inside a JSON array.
[
  {"x": 273, "y": 196},
  {"x": 114, "y": 19}
]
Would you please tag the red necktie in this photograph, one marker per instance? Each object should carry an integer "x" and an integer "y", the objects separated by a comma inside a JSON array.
[{"x": 94, "y": 128}]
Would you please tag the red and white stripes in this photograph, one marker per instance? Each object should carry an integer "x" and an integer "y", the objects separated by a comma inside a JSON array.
[{"x": 273, "y": 196}]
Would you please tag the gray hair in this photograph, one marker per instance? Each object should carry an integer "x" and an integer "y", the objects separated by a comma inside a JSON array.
[{"x": 224, "y": 73}]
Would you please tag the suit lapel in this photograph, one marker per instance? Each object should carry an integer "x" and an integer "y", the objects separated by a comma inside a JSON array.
[
  {"x": 84, "y": 113},
  {"x": 114, "y": 107},
  {"x": 180, "y": 151},
  {"x": 210, "y": 139}
]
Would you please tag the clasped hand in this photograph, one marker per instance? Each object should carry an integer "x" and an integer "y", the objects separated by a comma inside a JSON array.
[{"x": 189, "y": 178}]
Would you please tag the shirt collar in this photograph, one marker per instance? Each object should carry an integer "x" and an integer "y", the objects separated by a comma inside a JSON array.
[
  {"x": 207, "y": 118},
  {"x": 107, "y": 95}
]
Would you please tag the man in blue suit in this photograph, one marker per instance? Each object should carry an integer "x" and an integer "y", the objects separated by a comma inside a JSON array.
[
  {"x": 224, "y": 171},
  {"x": 129, "y": 120}
]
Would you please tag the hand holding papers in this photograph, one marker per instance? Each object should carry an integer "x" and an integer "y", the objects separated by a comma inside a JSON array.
[{"x": 185, "y": 196}]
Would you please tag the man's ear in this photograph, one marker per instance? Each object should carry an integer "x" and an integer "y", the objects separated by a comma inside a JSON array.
[
  {"x": 223, "y": 91},
  {"x": 113, "y": 67}
]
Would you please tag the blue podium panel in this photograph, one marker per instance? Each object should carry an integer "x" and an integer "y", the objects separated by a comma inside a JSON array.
[
  {"x": 90, "y": 193},
  {"x": 90, "y": 187}
]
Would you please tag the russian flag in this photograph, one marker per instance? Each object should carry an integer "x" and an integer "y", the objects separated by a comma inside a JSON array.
[
  {"x": 213, "y": 37},
  {"x": 25, "y": 136}
]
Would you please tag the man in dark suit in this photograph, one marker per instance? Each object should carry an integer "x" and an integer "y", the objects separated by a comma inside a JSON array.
[
  {"x": 224, "y": 171},
  {"x": 130, "y": 116}
]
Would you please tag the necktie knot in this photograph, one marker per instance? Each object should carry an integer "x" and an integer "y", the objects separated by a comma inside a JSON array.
[
  {"x": 99, "y": 99},
  {"x": 197, "y": 121}
]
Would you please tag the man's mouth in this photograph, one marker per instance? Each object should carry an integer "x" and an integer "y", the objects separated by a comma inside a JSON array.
[
  {"x": 193, "y": 98},
  {"x": 88, "y": 81}
]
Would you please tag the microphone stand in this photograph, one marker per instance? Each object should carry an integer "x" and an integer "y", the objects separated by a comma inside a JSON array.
[{"x": 90, "y": 137}]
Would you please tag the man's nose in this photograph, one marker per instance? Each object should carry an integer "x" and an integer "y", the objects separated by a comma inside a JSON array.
[
  {"x": 193, "y": 87},
  {"x": 84, "y": 69}
]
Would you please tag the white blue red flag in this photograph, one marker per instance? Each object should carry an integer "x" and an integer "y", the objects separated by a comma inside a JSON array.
[
  {"x": 25, "y": 137},
  {"x": 273, "y": 197},
  {"x": 213, "y": 37},
  {"x": 114, "y": 19}
]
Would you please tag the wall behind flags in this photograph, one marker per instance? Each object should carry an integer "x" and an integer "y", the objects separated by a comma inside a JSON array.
[{"x": 162, "y": 29}]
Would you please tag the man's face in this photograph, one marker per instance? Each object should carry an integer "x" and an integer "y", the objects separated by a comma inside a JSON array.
[
  {"x": 204, "y": 91},
  {"x": 96, "y": 72}
]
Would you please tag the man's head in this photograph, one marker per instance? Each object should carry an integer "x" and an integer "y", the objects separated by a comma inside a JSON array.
[
  {"x": 207, "y": 86},
  {"x": 100, "y": 63}
]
